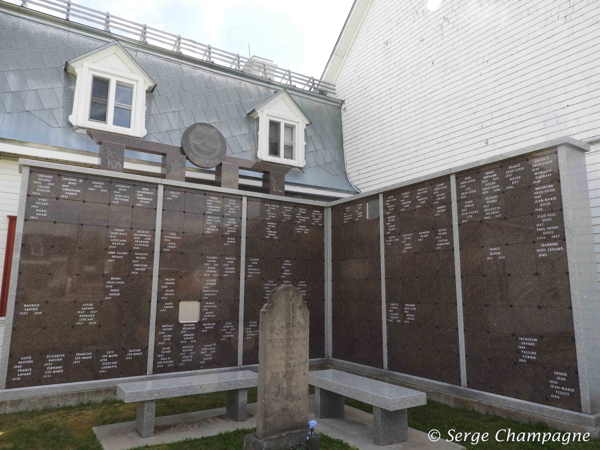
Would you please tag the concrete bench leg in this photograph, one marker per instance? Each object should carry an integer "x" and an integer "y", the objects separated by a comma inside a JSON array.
[
  {"x": 144, "y": 419},
  {"x": 237, "y": 404},
  {"x": 328, "y": 404},
  {"x": 390, "y": 426}
]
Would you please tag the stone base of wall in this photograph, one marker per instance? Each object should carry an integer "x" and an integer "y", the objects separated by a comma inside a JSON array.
[{"x": 57, "y": 401}]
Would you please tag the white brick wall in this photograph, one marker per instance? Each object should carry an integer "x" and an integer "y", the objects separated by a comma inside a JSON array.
[{"x": 427, "y": 90}]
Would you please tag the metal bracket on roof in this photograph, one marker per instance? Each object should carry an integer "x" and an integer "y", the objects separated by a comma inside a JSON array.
[
  {"x": 177, "y": 45},
  {"x": 207, "y": 56},
  {"x": 236, "y": 63},
  {"x": 143, "y": 34},
  {"x": 107, "y": 22}
]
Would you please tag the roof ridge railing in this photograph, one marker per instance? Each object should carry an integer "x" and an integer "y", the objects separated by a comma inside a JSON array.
[{"x": 68, "y": 10}]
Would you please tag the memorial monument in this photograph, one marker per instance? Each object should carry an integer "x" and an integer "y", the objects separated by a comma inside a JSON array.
[{"x": 282, "y": 411}]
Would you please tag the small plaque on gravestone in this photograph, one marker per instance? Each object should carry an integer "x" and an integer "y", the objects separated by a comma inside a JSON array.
[
  {"x": 282, "y": 410},
  {"x": 204, "y": 145}
]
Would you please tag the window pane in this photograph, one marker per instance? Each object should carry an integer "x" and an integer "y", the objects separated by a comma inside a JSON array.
[
  {"x": 274, "y": 137},
  {"x": 288, "y": 137},
  {"x": 100, "y": 88},
  {"x": 122, "y": 117},
  {"x": 98, "y": 110},
  {"x": 124, "y": 94}
]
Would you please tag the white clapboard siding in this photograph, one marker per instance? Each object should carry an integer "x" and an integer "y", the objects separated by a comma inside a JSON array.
[
  {"x": 593, "y": 168},
  {"x": 10, "y": 180},
  {"x": 427, "y": 90}
]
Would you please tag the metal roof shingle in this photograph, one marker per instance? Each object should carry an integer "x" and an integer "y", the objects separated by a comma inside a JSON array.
[
  {"x": 49, "y": 98},
  {"x": 4, "y": 86},
  {"x": 188, "y": 117},
  {"x": 12, "y": 102},
  {"x": 56, "y": 77},
  {"x": 34, "y": 79},
  {"x": 175, "y": 119},
  {"x": 31, "y": 100},
  {"x": 175, "y": 101},
  {"x": 162, "y": 122},
  {"x": 15, "y": 60},
  {"x": 46, "y": 116},
  {"x": 16, "y": 80},
  {"x": 211, "y": 114},
  {"x": 199, "y": 115}
]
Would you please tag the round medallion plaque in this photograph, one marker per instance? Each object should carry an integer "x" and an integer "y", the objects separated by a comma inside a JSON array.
[{"x": 204, "y": 145}]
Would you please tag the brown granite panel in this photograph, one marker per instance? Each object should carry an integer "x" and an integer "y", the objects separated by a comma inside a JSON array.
[
  {"x": 174, "y": 200},
  {"x": 200, "y": 261},
  {"x": 282, "y": 242},
  {"x": 97, "y": 190},
  {"x": 516, "y": 300},
  {"x": 84, "y": 281},
  {"x": 43, "y": 184}
]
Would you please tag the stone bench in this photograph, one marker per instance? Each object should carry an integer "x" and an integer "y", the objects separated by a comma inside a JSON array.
[
  {"x": 145, "y": 393},
  {"x": 390, "y": 419}
]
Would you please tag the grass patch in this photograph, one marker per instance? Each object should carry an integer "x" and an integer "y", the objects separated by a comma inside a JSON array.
[
  {"x": 235, "y": 440},
  {"x": 441, "y": 417},
  {"x": 70, "y": 428}
]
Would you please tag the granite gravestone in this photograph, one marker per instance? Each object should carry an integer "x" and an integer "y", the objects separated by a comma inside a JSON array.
[{"x": 282, "y": 413}]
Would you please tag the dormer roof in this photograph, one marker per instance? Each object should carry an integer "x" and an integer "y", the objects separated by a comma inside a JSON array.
[{"x": 114, "y": 56}]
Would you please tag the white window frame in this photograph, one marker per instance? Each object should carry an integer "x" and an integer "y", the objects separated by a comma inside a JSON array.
[
  {"x": 264, "y": 114},
  {"x": 83, "y": 98},
  {"x": 283, "y": 121}
]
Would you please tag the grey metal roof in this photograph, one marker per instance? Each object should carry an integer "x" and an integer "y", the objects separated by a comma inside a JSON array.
[{"x": 36, "y": 98}]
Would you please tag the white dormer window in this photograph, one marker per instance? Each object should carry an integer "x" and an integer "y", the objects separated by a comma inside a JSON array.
[
  {"x": 281, "y": 125},
  {"x": 110, "y": 93}
]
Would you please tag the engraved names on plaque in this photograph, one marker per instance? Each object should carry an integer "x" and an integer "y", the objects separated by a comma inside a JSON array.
[
  {"x": 356, "y": 289},
  {"x": 420, "y": 281},
  {"x": 84, "y": 289},
  {"x": 517, "y": 308},
  {"x": 284, "y": 245},
  {"x": 199, "y": 262}
]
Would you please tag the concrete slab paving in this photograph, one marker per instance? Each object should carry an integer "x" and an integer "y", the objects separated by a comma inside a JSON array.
[{"x": 356, "y": 428}]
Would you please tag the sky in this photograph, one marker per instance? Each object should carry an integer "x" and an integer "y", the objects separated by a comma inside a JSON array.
[{"x": 296, "y": 35}]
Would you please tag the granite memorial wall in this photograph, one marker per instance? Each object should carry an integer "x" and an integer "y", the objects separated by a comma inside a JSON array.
[
  {"x": 84, "y": 290},
  {"x": 518, "y": 319},
  {"x": 356, "y": 282},
  {"x": 422, "y": 324},
  {"x": 85, "y": 279},
  {"x": 200, "y": 252},
  {"x": 517, "y": 313},
  {"x": 284, "y": 244},
  {"x": 82, "y": 307}
]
